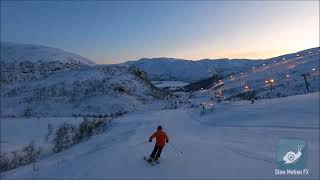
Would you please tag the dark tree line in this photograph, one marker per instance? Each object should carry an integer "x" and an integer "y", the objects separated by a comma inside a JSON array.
[{"x": 114, "y": 114}]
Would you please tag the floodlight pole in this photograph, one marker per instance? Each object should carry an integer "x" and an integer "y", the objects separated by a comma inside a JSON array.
[
  {"x": 271, "y": 87},
  {"x": 305, "y": 80}
]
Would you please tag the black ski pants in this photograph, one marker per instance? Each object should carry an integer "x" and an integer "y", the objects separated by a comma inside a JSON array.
[{"x": 156, "y": 152}]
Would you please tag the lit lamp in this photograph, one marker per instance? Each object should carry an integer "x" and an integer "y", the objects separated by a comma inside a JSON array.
[
  {"x": 271, "y": 81},
  {"x": 288, "y": 79}
]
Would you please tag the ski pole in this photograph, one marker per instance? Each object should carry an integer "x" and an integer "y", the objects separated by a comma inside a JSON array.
[
  {"x": 139, "y": 144},
  {"x": 175, "y": 148}
]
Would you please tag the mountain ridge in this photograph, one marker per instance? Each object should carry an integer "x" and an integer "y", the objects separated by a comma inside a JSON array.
[
  {"x": 166, "y": 69},
  {"x": 56, "y": 85}
]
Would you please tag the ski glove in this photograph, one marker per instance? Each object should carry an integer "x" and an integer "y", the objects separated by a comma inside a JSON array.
[{"x": 150, "y": 140}]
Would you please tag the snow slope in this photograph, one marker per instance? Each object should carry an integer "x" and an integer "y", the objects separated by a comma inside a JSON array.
[
  {"x": 18, "y": 132},
  {"x": 234, "y": 140},
  {"x": 285, "y": 71}
]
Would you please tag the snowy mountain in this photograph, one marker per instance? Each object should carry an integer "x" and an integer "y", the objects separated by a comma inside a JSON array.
[
  {"x": 170, "y": 69},
  {"x": 276, "y": 77},
  {"x": 42, "y": 81},
  {"x": 24, "y": 62}
]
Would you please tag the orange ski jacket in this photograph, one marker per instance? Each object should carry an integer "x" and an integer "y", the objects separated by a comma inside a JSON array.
[{"x": 161, "y": 138}]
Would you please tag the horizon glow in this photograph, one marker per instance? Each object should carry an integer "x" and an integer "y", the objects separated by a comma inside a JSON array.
[{"x": 115, "y": 32}]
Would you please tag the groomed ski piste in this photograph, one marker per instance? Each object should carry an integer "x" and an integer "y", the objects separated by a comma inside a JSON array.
[{"x": 235, "y": 140}]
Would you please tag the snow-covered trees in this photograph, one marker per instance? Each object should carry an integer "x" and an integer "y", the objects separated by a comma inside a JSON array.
[
  {"x": 27, "y": 155},
  {"x": 31, "y": 152},
  {"x": 67, "y": 134},
  {"x": 107, "y": 83},
  {"x": 63, "y": 137}
]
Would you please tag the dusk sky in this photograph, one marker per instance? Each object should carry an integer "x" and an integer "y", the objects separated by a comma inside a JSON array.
[{"x": 112, "y": 32}]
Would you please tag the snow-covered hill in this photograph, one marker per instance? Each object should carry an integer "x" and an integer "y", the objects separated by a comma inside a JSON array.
[
  {"x": 95, "y": 90},
  {"x": 42, "y": 81},
  {"x": 14, "y": 52},
  {"x": 276, "y": 77},
  {"x": 170, "y": 69},
  {"x": 237, "y": 140},
  {"x": 24, "y": 62}
]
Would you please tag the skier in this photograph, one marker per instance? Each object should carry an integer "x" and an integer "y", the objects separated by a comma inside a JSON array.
[
  {"x": 161, "y": 140},
  {"x": 252, "y": 100}
]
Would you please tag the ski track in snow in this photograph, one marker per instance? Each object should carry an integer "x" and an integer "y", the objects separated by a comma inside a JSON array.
[{"x": 210, "y": 150}]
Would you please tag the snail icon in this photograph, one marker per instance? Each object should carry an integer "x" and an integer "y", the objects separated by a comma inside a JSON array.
[{"x": 292, "y": 157}]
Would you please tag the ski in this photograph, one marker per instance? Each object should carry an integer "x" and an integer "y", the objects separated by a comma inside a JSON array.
[{"x": 150, "y": 162}]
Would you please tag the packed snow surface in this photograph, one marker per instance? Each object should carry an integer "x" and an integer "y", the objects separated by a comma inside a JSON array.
[{"x": 231, "y": 140}]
